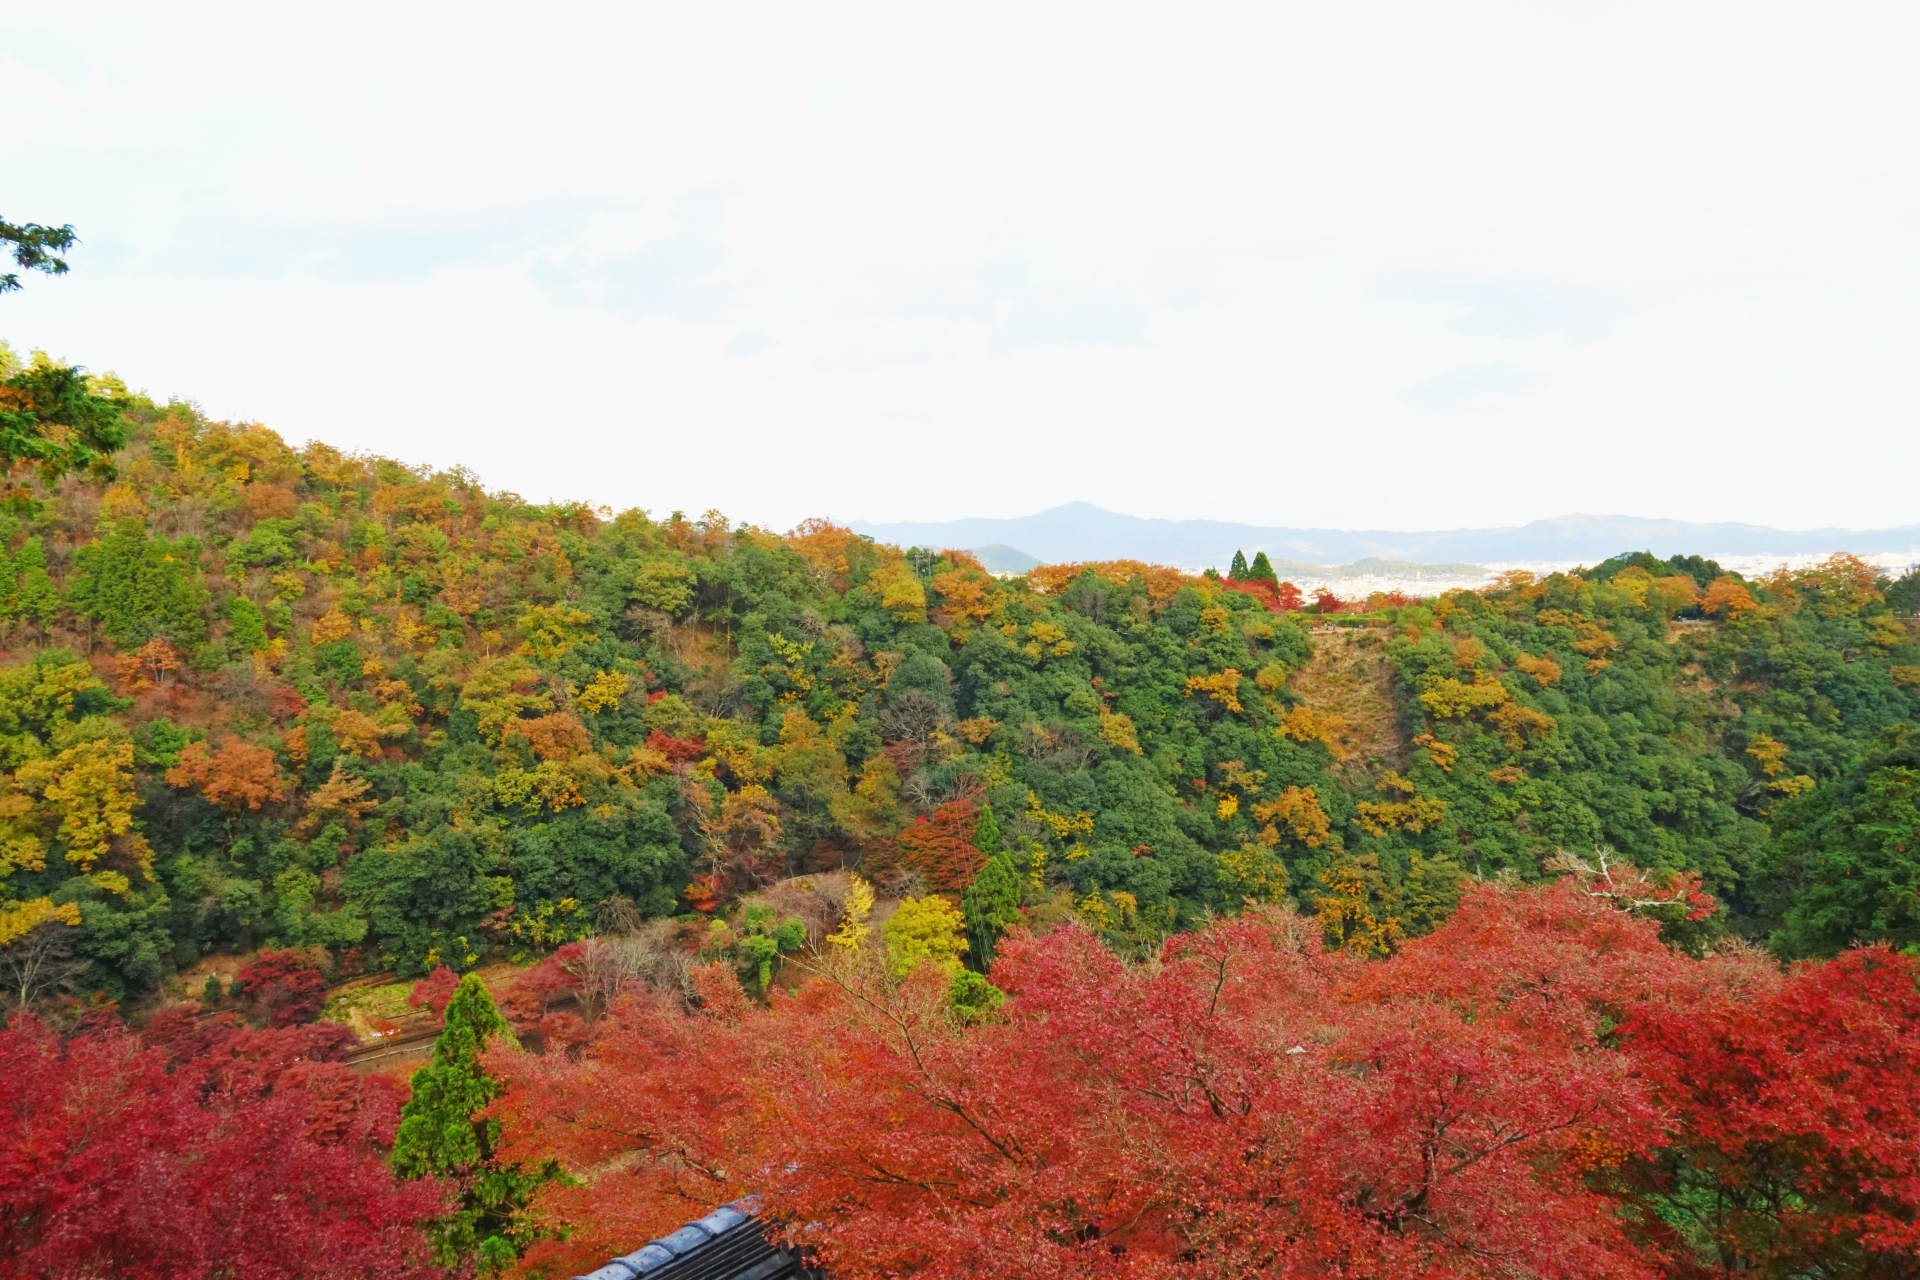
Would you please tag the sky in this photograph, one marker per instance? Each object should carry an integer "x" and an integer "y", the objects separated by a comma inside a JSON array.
[{"x": 1357, "y": 265}]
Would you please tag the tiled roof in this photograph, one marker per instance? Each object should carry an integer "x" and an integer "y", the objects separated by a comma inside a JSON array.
[{"x": 728, "y": 1244}]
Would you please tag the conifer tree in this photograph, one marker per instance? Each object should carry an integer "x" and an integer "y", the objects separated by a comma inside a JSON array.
[
  {"x": 991, "y": 903},
  {"x": 1238, "y": 569},
  {"x": 1262, "y": 570},
  {"x": 443, "y": 1135}
]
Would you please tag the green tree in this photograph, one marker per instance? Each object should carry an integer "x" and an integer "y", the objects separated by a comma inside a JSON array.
[
  {"x": 1262, "y": 570},
  {"x": 991, "y": 904},
  {"x": 1238, "y": 569},
  {"x": 443, "y": 1135},
  {"x": 1850, "y": 859},
  {"x": 52, "y": 421},
  {"x": 139, "y": 587},
  {"x": 34, "y": 247}
]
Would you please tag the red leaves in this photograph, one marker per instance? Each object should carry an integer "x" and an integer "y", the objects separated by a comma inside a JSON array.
[
  {"x": 434, "y": 991},
  {"x": 940, "y": 847},
  {"x": 250, "y": 1159},
  {"x": 1802, "y": 1107},
  {"x": 281, "y": 988},
  {"x": 678, "y": 750}
]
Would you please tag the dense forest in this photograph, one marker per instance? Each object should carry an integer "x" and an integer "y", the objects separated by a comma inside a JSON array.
[{"x": 337, "y": 716}]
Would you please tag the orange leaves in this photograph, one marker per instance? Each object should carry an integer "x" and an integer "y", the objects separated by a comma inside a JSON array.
[
  {"x": 237, "y": 775},
  {"x": 977, "y": 730},
  {"x": 553, "y": 737},
  {"x": 826, "y": 547},
  {"x": 1544, "y": 670},
  {"x": 332, "y": 627},
  {"x": 963, "y": 591},
  {"x": 1222, "y": 687},
  {"x": 1162, "y": 584},
  {"x": 147, "y": 666},
  {"x": 1728, "y": 597}
]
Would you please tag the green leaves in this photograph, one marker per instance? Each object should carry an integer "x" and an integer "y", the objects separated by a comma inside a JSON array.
[{"x": 442, "y": 1134}]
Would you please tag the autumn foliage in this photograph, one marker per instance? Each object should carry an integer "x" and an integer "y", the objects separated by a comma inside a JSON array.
[
  {"x": 208, "y": 1149},
  {"x": 1530, "y": 1084}
]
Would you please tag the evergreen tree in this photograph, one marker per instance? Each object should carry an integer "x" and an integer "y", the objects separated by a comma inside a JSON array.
[
  {"x": 1262, "y": 570},
  {"x": 1238, "y": 569},
  {"x": 986, "y": 833},
  {"x": 991, "y": 904},
  {"x": 443, "y": 1135}
]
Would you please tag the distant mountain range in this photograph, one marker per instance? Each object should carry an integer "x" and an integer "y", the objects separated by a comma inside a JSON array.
[{"x": 1082, "y": 531}]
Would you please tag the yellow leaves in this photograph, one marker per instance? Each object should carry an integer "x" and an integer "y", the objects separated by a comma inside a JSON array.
[
  {"x": 1303, "y": 724},
  {"x": 1228, "y": 806},
  {"x": 1215, "y": 618},
  {"x": 1345, "y": 910},
  {"x": 977, "y": 730},
  {"x": 1449, "y": 699},
  {"x": 1905, "y": 677},
  {"x": 1117, "y": 731},
  {"x": 900, "y": 592},
  {"x": 1271, "y": 678},
  {"x": 1517, "y": 722},
  {"x": 1251, "y": 873},
  {"x": 1545, "y": 671},
  {"x": 1770, "y": 755},
  {"x": 18, "y": 919},
  {"x": 359, "y": 734},
  {"x": 603, "y": 692},
  {"x": 549, "y": 630},
  {"x": 664, "y": 585},
  {"x": 288, "y": 585},
  {"x": 1439, "y": 752},
  {"x": 1793, "y": 786},
  {"x": 1414, "y": 814},
  {"x": 1063, "y": 826},
  {"x": 332, "y": 627},
  {"x": 1299, "y": 809},
  {"x": 499, "y": 690},
  {"x": 791, "y": 668},
  {"x": 927, "y": 930},
  {"x": 1222, "y": 687},
  {"x": 1048, "y": 637},
  {"x": 1883, "y": 632},
  {"x": 90, "y": 787},
  {"x": 851, "y": 936}
]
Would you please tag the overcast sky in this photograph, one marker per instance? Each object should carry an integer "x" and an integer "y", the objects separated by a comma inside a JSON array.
[{"x": 1351, "y": 265}]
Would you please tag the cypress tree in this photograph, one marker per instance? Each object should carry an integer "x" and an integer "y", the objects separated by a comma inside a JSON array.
[
  {"x": 1262, "y": 570},
  {"x": 442, "y": 1135},
  {"x": 1238, "y": 569},
  {"x": 991, "y": 904}
]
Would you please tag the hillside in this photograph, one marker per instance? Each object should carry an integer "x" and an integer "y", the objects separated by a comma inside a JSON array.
[{"x": 262, "y": 695}]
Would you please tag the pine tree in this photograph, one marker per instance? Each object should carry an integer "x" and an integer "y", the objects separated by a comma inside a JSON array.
[
  {"x": 991, "y": 903},
  {"x": 1262, "y": 570},
  {"x": 986, "y": 833},
  {"x": 1238, "y": 569},
  {"x": 443, "y": 1135}
]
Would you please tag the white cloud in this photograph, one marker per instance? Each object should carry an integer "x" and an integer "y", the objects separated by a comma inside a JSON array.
[{"x": 1361, "y": 265}]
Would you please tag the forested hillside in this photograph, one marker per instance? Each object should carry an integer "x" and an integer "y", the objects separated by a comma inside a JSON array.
[
  {"x": 1107, "y": 919},
  {"x": 259, "y": 695}
]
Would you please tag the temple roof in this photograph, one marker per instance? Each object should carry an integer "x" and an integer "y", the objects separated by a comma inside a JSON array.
[{"x": 728, "y": 1244}]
